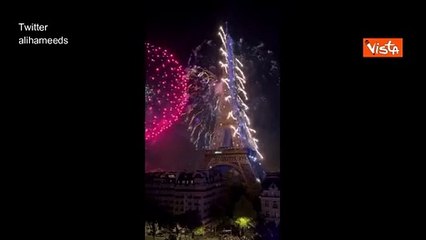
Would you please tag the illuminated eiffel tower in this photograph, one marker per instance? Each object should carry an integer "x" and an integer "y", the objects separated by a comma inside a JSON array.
[
  {"x": 237, "y": 159},
  {"x": 233, "y": 144}
]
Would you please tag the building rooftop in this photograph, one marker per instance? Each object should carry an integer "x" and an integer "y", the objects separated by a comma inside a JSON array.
[
  {"x": 272, "y": 178},
  {"x": 208, "y": 176}
]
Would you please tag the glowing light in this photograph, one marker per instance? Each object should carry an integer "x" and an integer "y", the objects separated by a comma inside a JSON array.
[
  {"x": 238, "y": 61},
  {"x": 224, "y": 53},
  {"x": 231, "y": 116},
  {"x": 200, "y": 231},
  {"x": 243, "y": 222}
]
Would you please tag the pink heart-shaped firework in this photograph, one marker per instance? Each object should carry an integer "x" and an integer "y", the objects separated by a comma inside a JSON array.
[{"x": 165, "y": 91}]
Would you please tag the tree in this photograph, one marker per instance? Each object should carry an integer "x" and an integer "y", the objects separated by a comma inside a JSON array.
[
  {"x": 244, "y": 214},
  {"x": 155, "y": 215},
  {"x": 219, "y": 213},
  {"x": 261, "y": 227},
  {"x": 177, "y": 219},
  {"x": 232, "y": 195},
  {"x": 170, "y": 222},
  {"x": 244, "y": 208},
  {"x": 191, "y": 220},
  {"x": 150, "y": 215}
]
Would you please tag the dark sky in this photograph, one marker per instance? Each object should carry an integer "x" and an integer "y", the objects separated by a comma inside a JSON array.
[{"x": 181, "y": 31}]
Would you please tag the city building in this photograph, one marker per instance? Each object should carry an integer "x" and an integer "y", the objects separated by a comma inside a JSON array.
[
  {"x": 179, "y": 192},
  {"x": 270, "y": 198}
]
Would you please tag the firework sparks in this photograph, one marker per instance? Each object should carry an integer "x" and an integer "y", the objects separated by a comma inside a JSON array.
[
  {"x": 239, "y": 75},
  {"x": 235, "y": 81},
  {"x": 165, "y": 91},
  {"x": 203, "y": 104}
]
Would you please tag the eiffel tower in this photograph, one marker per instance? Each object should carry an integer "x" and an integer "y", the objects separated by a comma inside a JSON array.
[
  {"x": 228, "y": 150},
  {"x": 230, "y": 144},
  {"x": 237, "y": 158}
]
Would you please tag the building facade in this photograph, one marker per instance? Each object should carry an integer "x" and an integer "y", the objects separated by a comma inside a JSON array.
[
  {"x": 179, "y": 192},
  {"x": 270, "y": 198}
]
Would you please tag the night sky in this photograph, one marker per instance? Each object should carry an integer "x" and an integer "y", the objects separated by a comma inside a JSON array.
[{"x": 181, "y": 31}]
